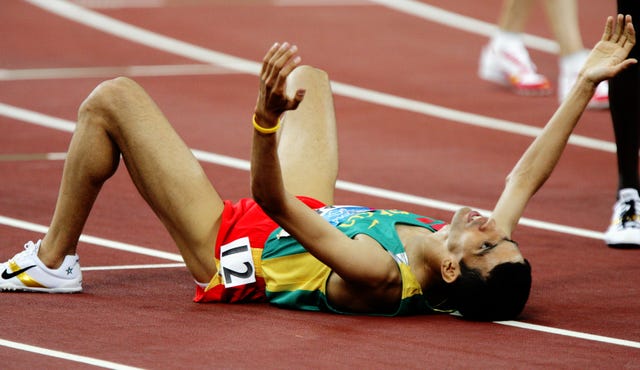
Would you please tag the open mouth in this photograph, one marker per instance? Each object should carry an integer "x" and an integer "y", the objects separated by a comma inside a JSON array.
[{"x": 473, "y": 215}]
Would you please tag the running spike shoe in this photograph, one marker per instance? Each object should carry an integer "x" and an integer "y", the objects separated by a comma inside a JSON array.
[
  {"x": 624, "y": 231},
  {"x": 25, "y": 272}
]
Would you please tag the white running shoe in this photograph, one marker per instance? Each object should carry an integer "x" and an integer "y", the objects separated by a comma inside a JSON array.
[
  {"x": 624, "y": 231},
  {"x": 26, "y": 272},
  {"x": 506, "y": 61},
  {"x": 569, "y": 68}
]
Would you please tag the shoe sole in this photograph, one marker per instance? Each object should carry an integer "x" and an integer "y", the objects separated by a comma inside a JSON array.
[
  {"x": 531, "y": 92},
  {"x": 624, "y": 246},
  {"x": 486, "y": 74},
  {"x": 39, "y": 290}
]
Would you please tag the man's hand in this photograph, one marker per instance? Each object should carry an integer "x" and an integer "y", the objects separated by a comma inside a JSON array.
[
  {"x": 277, "y": 64},
  {"x": 609, "y": 55}
]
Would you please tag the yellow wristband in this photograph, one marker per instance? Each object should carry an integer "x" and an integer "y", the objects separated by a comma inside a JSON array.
[{"x": 265, "y": 130}]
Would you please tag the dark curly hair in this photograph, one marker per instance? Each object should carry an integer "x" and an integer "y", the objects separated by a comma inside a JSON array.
[{"x": 501, "y": 296}]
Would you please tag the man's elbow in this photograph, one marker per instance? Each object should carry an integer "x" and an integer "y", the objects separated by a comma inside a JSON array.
[{"x": 267, "y": 200}]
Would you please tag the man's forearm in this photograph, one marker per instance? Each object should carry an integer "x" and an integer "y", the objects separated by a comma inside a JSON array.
[
  {"x": 267, "y": 186},
  {"x": 539, "y": 160}
]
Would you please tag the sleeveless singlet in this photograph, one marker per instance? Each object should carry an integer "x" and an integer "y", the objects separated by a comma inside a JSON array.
[{"x": 295, "y": 279}]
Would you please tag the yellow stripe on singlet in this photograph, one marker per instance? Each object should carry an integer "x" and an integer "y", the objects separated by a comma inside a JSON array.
[{"x": 295, "y": 272}]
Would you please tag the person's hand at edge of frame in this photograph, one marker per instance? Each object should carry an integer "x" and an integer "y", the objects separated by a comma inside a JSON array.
[
  {"x": 277, "y": 64},
  {"x": 609, "y": 55}
]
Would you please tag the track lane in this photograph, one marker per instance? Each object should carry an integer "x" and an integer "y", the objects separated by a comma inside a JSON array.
[{"x": 355, "y": 126}]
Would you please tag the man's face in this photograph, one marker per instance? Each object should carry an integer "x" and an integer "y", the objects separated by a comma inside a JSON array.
[{"x": 479, "y": 243}]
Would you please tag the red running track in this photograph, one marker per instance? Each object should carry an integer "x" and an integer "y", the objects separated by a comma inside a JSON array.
[{"x": 145, "y": 318}]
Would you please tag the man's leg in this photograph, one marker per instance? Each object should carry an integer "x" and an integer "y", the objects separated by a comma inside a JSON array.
[
  {"x": 563, "y": 19},
  {"x": 308, "y": 146},
  {"x": 120, "y": 119},
  {"x": 514, "y": 15}
]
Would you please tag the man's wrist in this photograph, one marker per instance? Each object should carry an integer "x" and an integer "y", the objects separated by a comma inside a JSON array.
[
  {"x": 265, "y": 120},
  {"x": 264, "y": 128},
  {"x": 585, "y": 85}
]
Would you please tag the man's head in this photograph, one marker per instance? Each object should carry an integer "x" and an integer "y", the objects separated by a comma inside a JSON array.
[
  {"x": 488, "y": 277},
  {"x": 500, "y": 296}
]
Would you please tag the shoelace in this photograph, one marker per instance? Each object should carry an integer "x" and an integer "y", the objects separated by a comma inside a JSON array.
[
  {"x": 29, "y": 248},
  {"x": 629, "y": 215}
]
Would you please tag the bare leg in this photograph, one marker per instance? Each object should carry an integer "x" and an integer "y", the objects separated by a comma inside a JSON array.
[
  {"x": 120, "y": 119},
  {"x": 514, "y": 15},
  {"x": 563, "y": 18},
  {"x": 308, "y": 146}
]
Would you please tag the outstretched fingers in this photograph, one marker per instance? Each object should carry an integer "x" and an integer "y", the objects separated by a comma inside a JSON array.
[
  {"x": 277, "y": 64},
  {"x": 611, "y": 53},
  {"x": 608, "y": 29},
  {"x": 620, "y": 27},
  {"x": 284, "y": 65},
  {"x": 623, "y": 34},
  {"x": 625, "y": 40},
  {"x": 629, "y": 36},
  {"x": 265, "y": 60},
  {"x": 281, "y": 62}
]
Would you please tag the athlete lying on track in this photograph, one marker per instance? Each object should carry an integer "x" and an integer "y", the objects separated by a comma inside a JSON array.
[{"x": 307, "y": 254}]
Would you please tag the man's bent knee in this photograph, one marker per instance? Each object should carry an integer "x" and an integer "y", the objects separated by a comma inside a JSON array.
[{"x": 113, "y": 97}]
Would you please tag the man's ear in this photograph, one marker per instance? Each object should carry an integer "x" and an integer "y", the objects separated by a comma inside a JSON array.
[{"x": 450, "y": 270}]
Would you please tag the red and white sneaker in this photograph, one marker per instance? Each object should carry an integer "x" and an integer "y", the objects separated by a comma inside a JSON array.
[
  {"x": 505, "y": 61},
  {"x": 569, "y": 68},
  {"x": 600, "y": 99}
]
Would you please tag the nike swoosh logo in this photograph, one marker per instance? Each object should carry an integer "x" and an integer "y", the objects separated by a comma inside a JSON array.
[{"x": 8, "y": 275}]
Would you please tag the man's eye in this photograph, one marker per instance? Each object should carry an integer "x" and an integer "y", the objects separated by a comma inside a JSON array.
[{"x": 487, "y": 245}]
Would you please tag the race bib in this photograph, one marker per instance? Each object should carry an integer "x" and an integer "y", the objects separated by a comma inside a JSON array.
[{"x": 236, "y": 263}]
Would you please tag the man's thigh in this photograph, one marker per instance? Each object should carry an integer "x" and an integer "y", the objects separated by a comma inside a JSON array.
[{"x": 168, "y": 176}]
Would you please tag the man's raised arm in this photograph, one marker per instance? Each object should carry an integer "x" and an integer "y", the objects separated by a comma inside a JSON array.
[{"x": 606, "y": 60}]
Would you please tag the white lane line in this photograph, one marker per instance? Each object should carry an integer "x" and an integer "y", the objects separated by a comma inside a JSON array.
[
  {"x": 241, "y": 164},
  {"x": 36, "y": 118},
  {"x": 437, "y": 204},
  {"x": 30, "y": 226},
  {"x": 571, "y": 333},
  {"x": 33, "y": 157},
  {"x": 249, "y": 68},
  {"x": 65, "y": 355},
  {"x": 461, "y": 22},
  {"x": 177, "y": 47},
  {"x": 106, "y": 72},
  {"x": 333, "y": 3},
  {"x": 116, "y": 4},
  {"x": 139, "y": 35},
  {"x": 133, "y": 267},
  {"x": 449, "y": 114},
  {"x": 373, "y": 97},
  {"x": 412, "y": 7},
  {"x": 146, "y": 251},
  {"x": 123, "y": 4}
]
